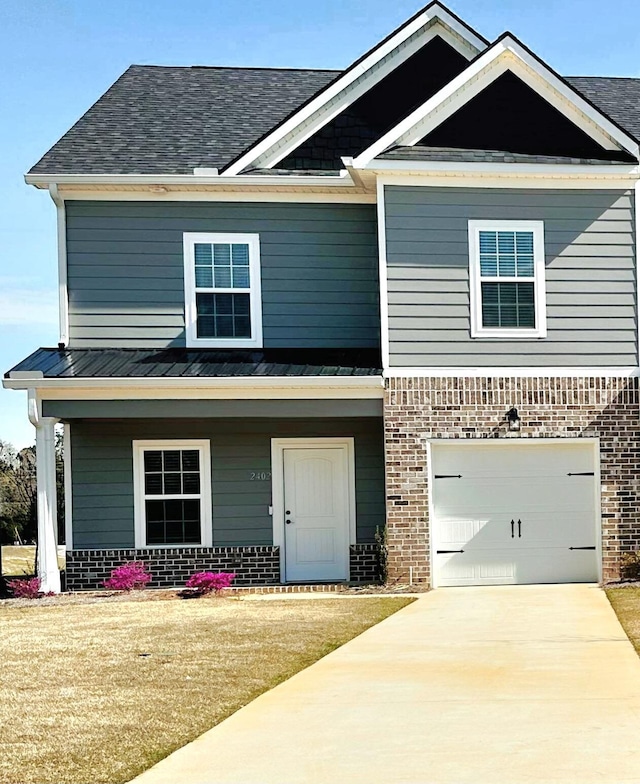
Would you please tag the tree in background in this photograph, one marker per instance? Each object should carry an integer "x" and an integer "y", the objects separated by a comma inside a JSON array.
[{"x": 18, "y": 493}]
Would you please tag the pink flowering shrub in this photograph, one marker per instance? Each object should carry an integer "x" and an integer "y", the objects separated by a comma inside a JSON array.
[
  {"x": 130, "y": 576},
  {"x": 208, "y": 582},
  {"x": 26, "y": 589}
]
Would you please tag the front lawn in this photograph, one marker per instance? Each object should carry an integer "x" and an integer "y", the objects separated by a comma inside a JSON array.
[
  {"x": 626, "y": 603},
  {"x": 99, "y": 692}
]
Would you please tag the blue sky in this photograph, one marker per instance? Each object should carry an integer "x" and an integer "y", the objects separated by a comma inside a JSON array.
[{"x": 58, "y": 56}]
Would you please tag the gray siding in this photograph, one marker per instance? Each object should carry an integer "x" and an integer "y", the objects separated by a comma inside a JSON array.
[
  {"x": 319, "y": 271},
  {"x": 102, "y": 469},
  {"x": 590, "y": 276}
]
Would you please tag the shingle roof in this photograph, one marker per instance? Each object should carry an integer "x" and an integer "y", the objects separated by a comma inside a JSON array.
[
  {"x": 618, "y": 97},
  {"x": 201, "y": 363},
  {"x": 169, "y": 120},
  {"x": 455, "y": 154}
]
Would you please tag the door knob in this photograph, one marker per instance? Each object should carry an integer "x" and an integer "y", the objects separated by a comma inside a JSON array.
[{"x": 288, "y": 522}]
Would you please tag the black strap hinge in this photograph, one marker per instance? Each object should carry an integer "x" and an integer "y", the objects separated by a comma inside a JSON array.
[
  {"x": 583, "y": 548},
  {"x": 442, "y": 552},
  {"x": 582, "y": 473},
  {"x": 447, "y": 476}
]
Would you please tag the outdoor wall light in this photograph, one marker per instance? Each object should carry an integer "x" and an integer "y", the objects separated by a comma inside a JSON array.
[{"x": 513, "y": 419}]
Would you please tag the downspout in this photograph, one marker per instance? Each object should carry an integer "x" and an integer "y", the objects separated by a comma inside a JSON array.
[
  {"x": 47, "y": 566},
  {"x": 63, "y": 297}
]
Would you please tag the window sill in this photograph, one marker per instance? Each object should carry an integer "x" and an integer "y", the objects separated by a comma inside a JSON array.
[
  {"x": 508, "y": 335},
  {"x": 231, "y": 343}
]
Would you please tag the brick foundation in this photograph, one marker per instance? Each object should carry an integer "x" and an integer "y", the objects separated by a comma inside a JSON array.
[
  {"x": 254, "y": 566},
  {"x": 86, "y": 569},
  {"x": 419, "y": 409},
  {"x": 364, "y": 563}
]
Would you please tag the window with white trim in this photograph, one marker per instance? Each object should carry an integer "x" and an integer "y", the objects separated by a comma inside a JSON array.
[
  {"x": 507, "y": 279},
  {"x": 172, "y": 489},
  {"x": 223, "y": 305}
]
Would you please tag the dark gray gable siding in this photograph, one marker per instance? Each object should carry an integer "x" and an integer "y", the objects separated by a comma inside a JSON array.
[
  {"x": 590, "y": 276},
  {"x": 102, "y": 469},
  {"x": 319, "y": 271}
]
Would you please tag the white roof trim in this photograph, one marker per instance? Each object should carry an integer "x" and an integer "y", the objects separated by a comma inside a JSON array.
[
  {"x": 154, "y": 180},
  {"x": 35, "y": 380},
  {"x": 505, "y": 54},
  {"x": 434, "y": 20}
]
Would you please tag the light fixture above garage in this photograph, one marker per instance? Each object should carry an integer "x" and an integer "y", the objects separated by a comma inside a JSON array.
[{"x": 513, "y": 419}]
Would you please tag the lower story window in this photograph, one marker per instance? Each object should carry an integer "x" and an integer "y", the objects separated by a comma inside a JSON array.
[{"x": 172, "y": 485}]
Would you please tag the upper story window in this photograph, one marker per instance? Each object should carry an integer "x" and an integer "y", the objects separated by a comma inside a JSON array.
[
  {"x": 507, "y": 283},
  {"x": 172, "y": 490},
  {"x": 223, "y": 308}
]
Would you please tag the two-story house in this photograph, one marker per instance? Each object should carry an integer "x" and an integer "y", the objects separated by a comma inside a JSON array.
[{"x": 302, "y": 308}]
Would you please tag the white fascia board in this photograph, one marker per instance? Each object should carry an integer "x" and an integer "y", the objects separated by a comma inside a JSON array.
[
  {"x": 35, "y": 381},
  {"x": 636, "y": 209},
  {"x": 297, "y": 196},
  {"x": 439, "y": 168},
  {"x": 481, "y": 72},
  {"x": 462, "y": 39},
  {"x": 332, "y": 181},
  {"x": 512, "y": 372},
  {"x": 507, "y": 179}
]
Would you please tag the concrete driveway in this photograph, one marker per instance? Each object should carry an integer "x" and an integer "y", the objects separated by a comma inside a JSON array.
[{"x": 498, "y": 685}]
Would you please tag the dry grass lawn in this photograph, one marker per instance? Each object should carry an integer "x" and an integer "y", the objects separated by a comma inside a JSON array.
[
  {"x": 20, "y": 559},
  {"x": 96, "y": 693},
  {"x": 626, "y": 603}
]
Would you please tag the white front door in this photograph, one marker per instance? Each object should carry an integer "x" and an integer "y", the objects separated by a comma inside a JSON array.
[
  {"x": 316, "y": 514},
  {"x": 518, "y": 512}
]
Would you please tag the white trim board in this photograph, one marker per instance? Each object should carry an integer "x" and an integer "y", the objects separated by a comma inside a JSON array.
[
  {"x": 68, "y": 486},
  {"x": 203, "y": 446},
  {"x": 299, "y": 195},
  {"x": 507, "y": 179},
  {"x": 507, "y": 54},
  {"x": 546, "y": 371},
  {"x": 383, "y": 276},
  {"x": 61, "y": 233},
  {"x": 278, "y": 446},
  {"x": 357, "y": 80}
]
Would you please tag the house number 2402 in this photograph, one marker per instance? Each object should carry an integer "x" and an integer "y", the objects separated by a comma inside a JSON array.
[{"x": 260, "y": 476}]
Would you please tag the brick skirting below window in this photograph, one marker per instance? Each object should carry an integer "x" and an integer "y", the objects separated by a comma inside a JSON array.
[
  {"x": 260, "y": 565},
  {"x": 419, "y": 409}
]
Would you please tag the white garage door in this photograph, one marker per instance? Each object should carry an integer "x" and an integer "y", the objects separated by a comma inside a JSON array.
[{"x": 513, "y": 512}]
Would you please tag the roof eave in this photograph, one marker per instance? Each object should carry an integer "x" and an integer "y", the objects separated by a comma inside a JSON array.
[{"x": 343, "y": 180}]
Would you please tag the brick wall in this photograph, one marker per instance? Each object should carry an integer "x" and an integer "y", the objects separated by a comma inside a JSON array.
[
  {"x": 419, "y": 409},
  {"x": 364, "y": 566},
  {"x": 86, "y": 569}
]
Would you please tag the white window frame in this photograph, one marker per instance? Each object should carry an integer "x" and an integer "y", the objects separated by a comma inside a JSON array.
[
  {"x": 190, "y": 239},
  {"x": 539, "y": 287},
  {"x": 206, "y": 526}
]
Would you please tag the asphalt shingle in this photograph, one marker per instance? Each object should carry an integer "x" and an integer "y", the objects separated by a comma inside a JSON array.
[{"x": 170, "y": 120}]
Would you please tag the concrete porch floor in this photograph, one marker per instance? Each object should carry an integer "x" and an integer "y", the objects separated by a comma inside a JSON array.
[{"x": 500, "y": 685}]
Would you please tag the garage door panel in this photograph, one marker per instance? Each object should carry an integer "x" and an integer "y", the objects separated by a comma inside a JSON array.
[
  {"x": 524, "y": 482},
  {"x": 523, "y": 462},
  {"x": 501, "y": 568}
]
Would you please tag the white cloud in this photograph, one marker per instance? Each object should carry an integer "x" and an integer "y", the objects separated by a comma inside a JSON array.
[{"x": 24, "y": 303}]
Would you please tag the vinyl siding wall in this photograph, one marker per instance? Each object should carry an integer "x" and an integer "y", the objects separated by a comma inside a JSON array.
[
  {"x": 590, "y": 276},
  {"x": 102, "y": 470},
  {"x": 319, "y": 267}
]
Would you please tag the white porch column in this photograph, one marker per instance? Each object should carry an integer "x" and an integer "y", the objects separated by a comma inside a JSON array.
[{"x": 48, "y": 570}]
